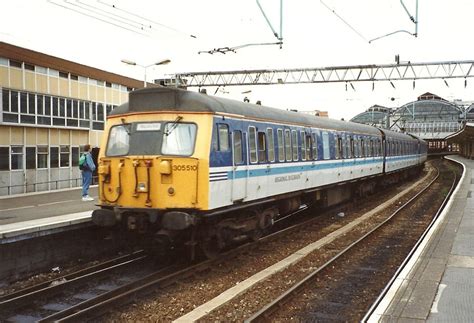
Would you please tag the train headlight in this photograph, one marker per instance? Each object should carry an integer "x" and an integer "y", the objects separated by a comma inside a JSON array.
[
  {"x": 141, "y": 187},
  {"x": 165, "y": 167},
  {"x": 171, "y": 191}
]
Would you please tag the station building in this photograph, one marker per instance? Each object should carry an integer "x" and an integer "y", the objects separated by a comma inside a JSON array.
[
  {"x": 49, "y": 109},
  {"x": 430, "y": 117}
]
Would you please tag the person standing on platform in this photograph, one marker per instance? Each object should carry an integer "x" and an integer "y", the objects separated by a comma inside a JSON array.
[{"x": 87, "y": 167}]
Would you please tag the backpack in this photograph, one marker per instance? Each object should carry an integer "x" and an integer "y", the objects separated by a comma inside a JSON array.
[{"x": 82, "y": 162}]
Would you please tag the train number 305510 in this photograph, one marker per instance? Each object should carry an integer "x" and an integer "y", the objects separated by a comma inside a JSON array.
[{"x": 185, "y": 168}]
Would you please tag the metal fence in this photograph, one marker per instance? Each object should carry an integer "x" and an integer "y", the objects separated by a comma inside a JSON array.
[{"x": 52, "y": 185}]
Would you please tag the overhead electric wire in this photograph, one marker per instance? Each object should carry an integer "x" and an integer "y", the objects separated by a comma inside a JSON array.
[
  {"x": 108, "y": 15},
  {"x": 97, "y": 18},
  {"x": 344, "y": 21},
  {"x": 146, "y": 19}
]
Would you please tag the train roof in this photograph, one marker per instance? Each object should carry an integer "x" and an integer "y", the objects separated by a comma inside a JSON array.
[{"x": 176, "y": 100}]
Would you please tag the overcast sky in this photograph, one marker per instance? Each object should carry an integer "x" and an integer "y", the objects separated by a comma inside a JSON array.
[{"x": 313, "y": 36}]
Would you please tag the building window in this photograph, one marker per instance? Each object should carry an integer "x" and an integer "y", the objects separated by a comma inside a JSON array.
[
  {"x": 31, "y": 103},
  {"x": 4, "y": 158},
  {"x": 41, "y": 70},
  {"x": 5, "y": 100},
  {"x": 64, "y": 156},
  {"x": 23, "y": 102},
  {"x": 13, "y": 101},
  {"x": 75, "y": 156},
  {"x": 30, "y": 157},
  {"x": 29, "y": 67},
  {"x": 15, "y": 64},
  {"x": 17, "y": 157},
  {"x": 54, "y": 157},
  {"x": 42, "y": 157}
]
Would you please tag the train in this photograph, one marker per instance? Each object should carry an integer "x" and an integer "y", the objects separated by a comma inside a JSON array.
[{"x": 183, "y": 167}]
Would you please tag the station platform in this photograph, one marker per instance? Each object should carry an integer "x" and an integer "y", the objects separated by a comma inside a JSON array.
[
  {"x": 437, "y": 284},
  {"x": 31, "y": 215}
]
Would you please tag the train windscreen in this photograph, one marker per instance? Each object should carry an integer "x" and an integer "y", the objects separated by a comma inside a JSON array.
[{"x": 151, "y": 138}]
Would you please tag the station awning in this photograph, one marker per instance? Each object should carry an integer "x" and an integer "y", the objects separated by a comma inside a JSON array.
[{"x": 466, "y": 134}]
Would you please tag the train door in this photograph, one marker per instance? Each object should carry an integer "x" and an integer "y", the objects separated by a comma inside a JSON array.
[{"x": 239, "y": 166}]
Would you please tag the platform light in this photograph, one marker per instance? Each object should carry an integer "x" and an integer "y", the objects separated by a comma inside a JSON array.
[{"x": 129, "y": 62}]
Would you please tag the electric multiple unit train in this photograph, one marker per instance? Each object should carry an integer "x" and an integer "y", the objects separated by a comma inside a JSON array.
[{"x": 183, "y": 167}]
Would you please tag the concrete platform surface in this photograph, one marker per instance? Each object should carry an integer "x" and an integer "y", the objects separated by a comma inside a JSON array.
[
  {"x": 437, "y": 285},
  {"x": 31, "y": 215}
]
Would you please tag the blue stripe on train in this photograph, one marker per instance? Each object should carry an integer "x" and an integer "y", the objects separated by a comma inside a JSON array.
[{"x": 309, "y": 167}]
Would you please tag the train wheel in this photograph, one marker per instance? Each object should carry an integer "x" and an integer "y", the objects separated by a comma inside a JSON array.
[{"x": 210, "y": 247}]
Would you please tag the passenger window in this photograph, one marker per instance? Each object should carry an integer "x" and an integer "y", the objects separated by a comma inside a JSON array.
[
  {"x": 281, "y": 148},
  {"x": 326, "y": 154},
  {"x": 253, "y": 144},
  {"x": 362, "y": 148},
  {"x": 338, "y": 147},
  {"x": 294, "y": 144},
  {"x": 303, "y": 145},
  {"x": 315, "y": 146},
  {"x": 287, "y": 144},
  {"x": 308, "y": 147},
  {"x": 271, "y": 145},
  {"x": 262, "y": 148},
  {"x": 352, "y": 148},
  {"x": 238, "y": 156},
  {"x": 223, "y": 137}
]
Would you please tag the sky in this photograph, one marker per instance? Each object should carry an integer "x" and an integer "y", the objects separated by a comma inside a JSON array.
[{"x": 315, "y": 34}]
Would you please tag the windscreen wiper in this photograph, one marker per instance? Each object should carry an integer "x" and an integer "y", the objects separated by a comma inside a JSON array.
[{"x": 173, "y": 126}]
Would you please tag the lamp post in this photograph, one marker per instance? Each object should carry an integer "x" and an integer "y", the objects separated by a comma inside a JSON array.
[{"x": 128, "y": 62}]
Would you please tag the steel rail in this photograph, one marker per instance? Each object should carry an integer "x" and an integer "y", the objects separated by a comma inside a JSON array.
[
  {"x": 284, "y": 297},
  {"x": 410, "y": 255},
  {"x": 18, "y": 299}
]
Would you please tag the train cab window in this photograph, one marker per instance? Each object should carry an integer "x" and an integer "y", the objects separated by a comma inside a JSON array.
[
  {"x": 238, "y": 156},
  {"x": 315, "y": 146},
  {"x": 178, "y": 138},
  {"x": 308, "y": 140},
  {"x": 271, "y": 145},
  {"x": 287, "y": 144},
  {"x": 119, "y": 140},
  {"x": 281, "y": 147},
  {"x": 223, "y": 137},
  {"x": 253, "y": 144},
  {"x": 262, "y": 148},
  {"x": 294, "y": 144},
  {"x": 326, "y": 151}
]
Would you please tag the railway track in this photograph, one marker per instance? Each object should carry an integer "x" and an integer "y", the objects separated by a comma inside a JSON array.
[
  {"x": 344, "y": 287},
  {"x": 95, "y": 305},
  {"x": 87, "y": 293}
]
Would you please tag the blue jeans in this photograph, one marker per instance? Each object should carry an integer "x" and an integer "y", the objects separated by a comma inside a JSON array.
[{"x": 86, "y": 181}]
